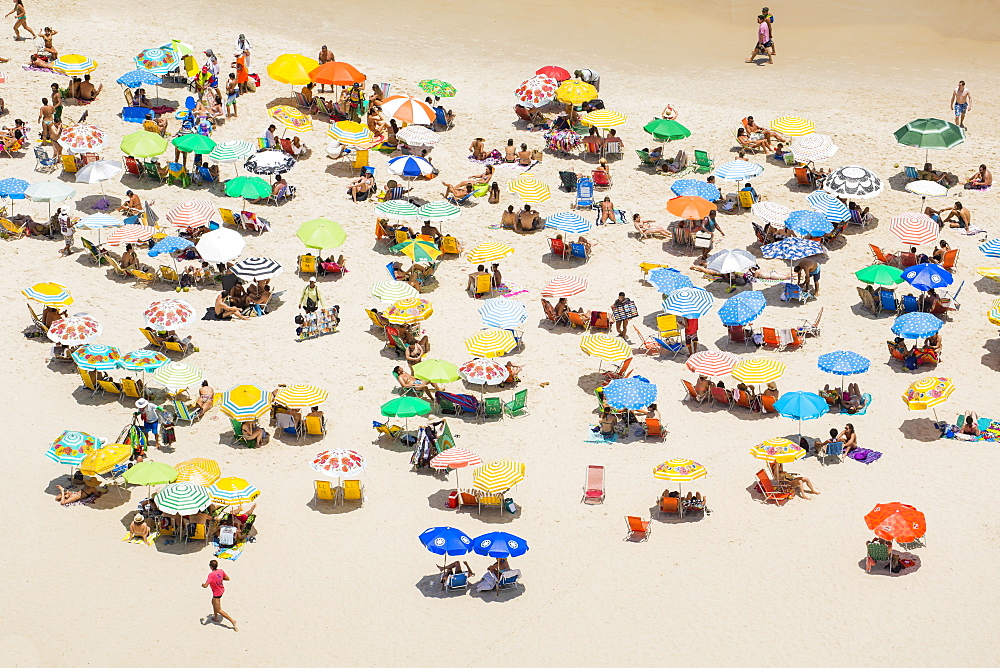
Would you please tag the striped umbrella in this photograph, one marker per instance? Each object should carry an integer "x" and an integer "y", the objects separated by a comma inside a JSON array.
[
  {"x": 257, "y": 269},
  {"x": 928, "y": 392},
  {"x": 738, "y": 170},
  {"x": 758, "y": 370},
  {"x": 455, "y": 458},
  {"x": 604, "y": 118},
  {"x": 351, "y": 133},
  {"x": 498, "y": 476},
  {"x": 397, "y": 209},
  {"x": 291, "y": 118},
  {"x": 914, "y": 229},
  {"x": 409, "y": 310},
  {"x": 993, "y": 315},
  {"x": 99, "y": 221},
  {"x": 574, "y": 91},
  {"x": 300, "y": 396},
  {"x": 177, "y": 376},
  {"x": 779, "y": 450},
  {"x": 74, "y": 330},
  {"x": 565, "y": 286},
  {"x": 221, "y": 245},
  {"x": 183, "y": 498},
  {"x": 688, "y": 302},
  {"x": 990, "y": 248},
  {"x": 854, "y": 182},
  {"x": 407, "y": 109},
  {"x": 503, "y": 313},
  {"x": 105, "y": 458},
  {"x": 50, "y": 294},
  {"x": 72, "y": 446},
  {"x": 269, "y": 162},
  {"x": 83, "y": 138},
  {"x": 158, "y": 61},
  {"x": 731, "y": 260},
  {"x": 808, "y": 223},
  {"x": 96, "y": 356},
  {"x": 193, "y": 213},
  {"x": 536, "y": 91},
  {"x": 568, "y": 222},
  {"x": 436, "y": 371},
  {"x": 667, "y": 280},
  {"x": 770, "y": 212},
  {"x": 793, "y": 248},
  {"x": 410, "y": 166},
  {"x": 813, "y": 147},
  {"x": 695, "y": 188},
  {"x": 916, "y": 325},
  {"x": 793, "y": 126},
  {"x": 143, "y": 360},
  {"x": 198, "y": 471},
  {"x": 743, "y": 308},
  {"x": 170, "y": 245},
  {"x": 629, "y": 393},
  {"x": 711, "y": 363},
  {"x": 74, "y": 65},
  {"x": 418, "y": 250},
  {"x": 491, "y": 343},
  {"x": 339, "y": 463},
  {"x": 831, "y": 207},
  {"x": 418, "y": 135},
  {"x": 606, "y": 347},
  {"x": 489, "y": 251},
  {"x": 232, "y": 492},
  {"x": 245, "y": 402},
  {"x": 437, "y": 212},
  {"x": 679, "y": 470},
  {"x": 392, "y": 291},
  {"x": 529, "y": 189},
  {"x": 130, "y": 234},
  {"x": 437, "y": 88},
  {"x": 231, "y": 151},
  {"x": 168, "y": 314},
  {"x": 483, "y": 371}
]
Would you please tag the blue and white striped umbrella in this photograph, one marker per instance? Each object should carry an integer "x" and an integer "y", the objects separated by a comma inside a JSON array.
[
  {"x": 667, "y": 280},
  {"x": 568, "y": 222},
  {"x": 916, "y": 325},
  {"x": 792, "y": 249},
  {"x": 688, "y": 302},
  {"x": 991, "y": 248},
  {"x": 503, "y": 313},
  {"x": 695, "y": 188},
  {"x": 828, "y": 205},
  {"x": 738, "y": 170},
  {"x": 927, "y": 276},
  {"x": 808, "y": 223},
  {"x": 742, "y": 309},
  {"x": 139, "y": 77},
  {"x": 843, "y": 363},
  {"x": 410, "y": 166},
  {"x": 13, "y": 188},
  {"x": 170, "y": 245},
  {"x": 629, "y": 393},
  {"x": 98, "y": 221}
]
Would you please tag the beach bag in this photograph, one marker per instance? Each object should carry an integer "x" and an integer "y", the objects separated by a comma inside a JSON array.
[
  {"x": 252, "y": 83},
  {"x": 480, "y": 190},
  {"x": 537, "y": 155},
  {"x": 510, "y": 506}
]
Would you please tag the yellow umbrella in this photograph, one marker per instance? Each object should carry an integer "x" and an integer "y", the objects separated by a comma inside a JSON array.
[
  {"x": 245, "y": 402},
  {"x": 604, "y": 118},
  {"x": 574, "y": 91},
  {"x": 409, "y": 310},
  {"x": 607, "y": 347},
  {"x": 779, "y": 450},
  {"x": 232, "y": 492},
  {"x": 928, "y": 392},
  {"x": 680, "y": 470},
  {"x": 101, "y": 461},
  {"x": 491, "y": 343},
  {"x": 490, "y": 251},
  {"x": 529, "y": 189},
  {"x": 793, "y": 126},
  {"x": 989, "y": 272},
  {"x": 498, "y": 476},
  {"x": 758, "y": 370},
  {"x": 198, "y": 471},
  {"x": 50, "y": 294},
  {"x": 291, "y": 118},
  {"x": 293, "y": 69},
  {"x": 300, "y": 396},
  {"x": 351, "y": 133},
  {"x": 993, "y": 315}
]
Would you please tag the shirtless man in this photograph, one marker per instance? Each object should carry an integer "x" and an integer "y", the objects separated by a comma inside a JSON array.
[
  {"x": 138, "y": 528},
  {"x": 961, "y": 100},
  {"x": 46, "y": 114},
  {"x": 470, "y": 285},
  {"x": 526, "y": 219},
  {"x": 132, "y": 206},
  {"x": 224, "y": 310},
  {"x": 981, "y": 180},
  {"x": 764, "y": 133},
  {"x": 325, "y": 56},
  {"x": 86, "y": 91}
]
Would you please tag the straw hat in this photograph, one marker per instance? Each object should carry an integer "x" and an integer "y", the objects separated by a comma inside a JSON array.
[{"x": 138, "y": 518}]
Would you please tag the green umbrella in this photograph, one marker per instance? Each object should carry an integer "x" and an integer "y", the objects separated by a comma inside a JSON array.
[
  {"x": 405, "y": 407},
  {"x": 928, "y": 133},
  {"x": 248, "y": 187},
  {"x": 880, "y": 274},
  {"x": 194, "y": 143},
  {"x": 150, "y": 473},
  {"x": 437, "y": 88},
  {"x": 321, "y": 233},
  {"x": 665, "y": 129},
  {"x": 436, "y": 371},
  {"x": 143, "y": 144}
]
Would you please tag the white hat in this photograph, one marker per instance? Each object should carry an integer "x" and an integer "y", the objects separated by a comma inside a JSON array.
[
  {"x": 312, "y": 279},
  {"x": 141, "y": 403}
]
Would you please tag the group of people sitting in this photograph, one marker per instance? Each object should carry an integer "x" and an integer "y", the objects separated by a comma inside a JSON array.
[
  {"x": 496, "y": 279},
  {"x": 847, "y": 436},
  {"x": 525, "y": 220},
  {"x": 849, "y": 401},
  {"x": 238, "y": 301},
  {"x": 742, "y": 393},
  {"x": 752, "y": 136},
  {"x": 613, "y": 422},
  {"x": 929, "y": 353}
]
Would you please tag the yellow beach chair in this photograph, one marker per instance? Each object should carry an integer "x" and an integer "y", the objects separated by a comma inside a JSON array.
[
  {"x": 353, "y": 490},
  {"x": 325, "y": 491}
]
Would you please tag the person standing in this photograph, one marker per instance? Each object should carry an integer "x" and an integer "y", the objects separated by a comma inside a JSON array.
[
  {"x": 311, "y": 298},
  {"x": 243, "y": 48},
  {"x": 769, "y": 17},
  {"x": 325, "y": 56},
  {"x": 621, "y": 312},
  {"x": 20, "y": 19},
  {"x": 764, "y": 43},
  {"x": 961, "y": 99},
  {"x": 67, "y": 229},
  {"x": 232, "y": 93},
  {"x": 215, "y": 579},
  {"x": 150, "y": 420}
]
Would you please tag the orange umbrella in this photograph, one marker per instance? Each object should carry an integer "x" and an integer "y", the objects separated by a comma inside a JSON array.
[
  {"x": 690, "y": 207},
  {"x": 896, "y": 521},
  {"x": 336, "y": 74}
]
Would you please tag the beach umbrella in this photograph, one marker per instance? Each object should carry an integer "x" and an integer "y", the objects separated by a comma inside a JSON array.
[
  {"x": 248, "y": 187},
  {"x": 897, "y": 521},
  {"x": 574, "y": 91},
  {"x": 536, "y": 91},
  {"x": 801, "y": 406},
  {"x": 231, "y": 151},
  {"x": 130, "y": 234},
  {"x": 928, "y": 392},
  {"x": 498, "y": 476},
  {"x": 930, "y": 133},
  {"x": 74, "y": 330},
  {"x": 437, "y": 212},
  {"x": 177, "y": 376},
  {"x": 139, "y": 77},
  {"x": 409, "y": 310},
  {"x": 105, "y": 458},
  {"x": 397, "y": 209},
  {"x": 565, "y": 286},
  {"x": 555, "y": 72},
  {"x": 257, "y": 269},
  {"x": 148, "y": 473},
  {"x": 927, "y": 276},
  {"x": 143, "y": 360},
  {"x": 99, "y": 221},
  {"x": 667, "y": 280},
  {"x": 831, "y": 207},
  {"x": 182, "y": 498},
  {"x": 267, "y": 162},
  {"x": 880, "y": 274},
  {"x": 336, "y": 73},
  {"x": 169, "y": 245},
  {"x": 418, "y": 135},
  {"x": 793, "y": 248},
  {"x": 198, "y": 471},
  {"x": 808, "y": 223},
  {"x": 738, "y": 170},
  {"x": 604, "y": 118},
  {"x": 418, "y": 250},
  {"x": 351, "y": 133},
  {"x": 757, "y": 370},
  {"x": 410, "y": 166},
  {"x": 83, "y": 138},
  {"x": 168, "y": 314},
  {"x": 499, "y": 544},
  {"x": 691, "y": 208},
  {"x": 194, "y": 143},
  {"x": 437, "y": 88},
  {"x": 143, "y": 144},
  {"x": 711, "y": 363},
  {"x": 391, "y": 292},
  {"x": 455, "y": 458},
  {"x": 503, "y": 313},
  {"x": 731, "y": 261},
  {"x": 843, "y": 363},
  {"x": 770, "y": 212},
  {"x": 193, "y": 213},
  {"x": 405, "y": 407},
  {"x": 629, "y": 393},
  {"x": 232, "y": 491},
  {"x": 695, "y": 188},
  {"x": 529, "y": 189},
  {"x": 321, "y": 233},
  {"x": 483, "y": 371},
  {"x": 292, "y": 69},
  {"x": 71, "y": 447},
  {"x": 991, "y": 273},
  {"x": 853, "y": 182},
  {"x": 679, "y": 471},
  {"x": 436, "y": 371},
  {"x": 993, "y": 315},
  {"x": 291, "y": 118},
  {"x": 220, "y": 245},
  {"x": 991, "y": 248},
  {"x": 52, "y": 294},
  {"x": 813, "y": 147},
  {"x": 793, "y": 126},
  {"x": 158, "y": 60},
  {"x": 916, "y": 325},
  {"x": 778, "y": 450},
  {"x": 300, "y": 396},
  {"x": 446, "y": 541},
  {"x": 688, "y": 302},
  {"x": 568, "y": 222},
  {"x": 245, "y": 402},
  {"x": 666, "y": 129},
  {"x": 926, "y": 189},
  {"x": 96, "y": 356},
  {"x": 407, "y": 109},
  {"x": 743, "y": 308},
  {"x": 49, "y": 191},
  {"x": 74, "y": 65},
  {"x": 914, "y": 229},
  {"x": 13, "y": 189},
  {"x": 605, "y": 347},
  {"x": 489, "y": 251},
  {"x": 491, "y": 343}
]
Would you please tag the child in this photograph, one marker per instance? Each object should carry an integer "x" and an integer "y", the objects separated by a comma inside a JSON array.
[{"x": 779, "y": 152}]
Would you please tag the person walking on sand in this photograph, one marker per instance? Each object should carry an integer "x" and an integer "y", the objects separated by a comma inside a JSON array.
[
  {"x": 961, "y": 99},
  {"x": 20, "y": 20},
  {"x": 769, "y": 17},
  {"x": 215, "y": 579},
  {"x": 763, "y": 41}
]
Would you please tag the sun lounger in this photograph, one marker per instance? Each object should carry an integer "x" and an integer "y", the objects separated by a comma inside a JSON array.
[
  {"x": 780, "y": 496},
  {"x": 593, "y": 486},
  {"x": 670, "y": 504},
  {"x": 637, "y": 527}
]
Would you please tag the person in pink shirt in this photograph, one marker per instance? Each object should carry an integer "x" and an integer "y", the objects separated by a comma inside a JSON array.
[
  {"x": 215, "y": 579},
  {"x": 764, "y": 43}
]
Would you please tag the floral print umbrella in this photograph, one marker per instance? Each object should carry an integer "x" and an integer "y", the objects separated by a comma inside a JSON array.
[
  {"x": 483, "y": 371},
  {"x": 95, "y": 356},
  {"x": 72, "y": 446},
  {"x": 409, "y": 310},
  {"x": 679, "y": 470},
  {"x": 339, "y": 463},
  {"x": 536, "y": 91},
  {"x": 75, "y": 330},
  {"x": 168, "y": 314},
  {"x": 158, "y": 61},
  {"x": 779, "y": 450},
  {"x": 83, "y": 138},
  {"x": 928, "y": 392},
  {"x": 143, "y": 360},
  {"x": 437, "y": 87}
]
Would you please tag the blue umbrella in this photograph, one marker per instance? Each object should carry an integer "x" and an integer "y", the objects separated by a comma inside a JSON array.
[
  {"x": 738, "y": 170},
  {"x": 446, "y": 540},
  {"x": 499, "y": 544},
  {"x": 792, "y": 249},
  {"x": 667, "y": 280},
  {"x": 630, "y": 393},
  {"x": 410, "y": 166},
  {"x": 503, "y": 313},
  {"x": 13, "y": 188},
  {"x": 169, "y": 245},
  {"x": 916, "y": 325},
  {"x": 831, "y": 207},
  {"x": 808, "y": 223},
  {"x": 140, "y": 77},
  {"x": 694, "y": 188},
  {"x": 801, "y": 406},
  {"x": 927, "y": 276},
  {"x": 742, "y": 309},
  {"x": 688, "y": 302},
  {"x": 989, "y": 249},
  {"x": 843, "y": 363},
  {"x": 568, "y": 222}
]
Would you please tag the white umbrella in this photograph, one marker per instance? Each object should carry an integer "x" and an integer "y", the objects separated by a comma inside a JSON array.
[
  {"x": 770, "y": 212},
  {"x": 49, "y": 191},
  {"x": 221, "y": 245},
  {"x": 99, "y": 172},
  {"x": 813, "y": 147},
  {"x": 853, "y": 181},
  {"x": 418, "y": 135},
  {"x": 926, "y": 189},
  {"x": 731, "y": 260}
]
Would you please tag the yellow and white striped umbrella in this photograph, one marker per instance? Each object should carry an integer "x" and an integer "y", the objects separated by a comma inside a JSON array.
[
  {"x": 779, "y": 450},
  {"x": 928, "y": 392},
  {"x": 50, "y": 294},
  {"x": 291, "y": 118},
  {"x": 993, "y": 315},
  {"x": 607, "y": 347},
  {"x": 491, "y": 343},
  {"x": 793, "y": 126},
  {"x": 758, "y": 370},
  {"x": 351, "y": 133},
  {"x": 232, "y": 492},
  {"x": 498, "y": 476},
  {"x": 604, "y": 118},
  {"x": 529, "y": 189},
  {"x": 300, "y": 396},
  {"x": 74, "y": 65},
  {"x": 680, "y": 470},
  {"x": 198, "y": 471},
  {"x": 989, "y": 272},
  {"x": 409, "y": 310},
  {"x": 489, "y": 251},
  {"x": 575, "y": 91},
  {"x": 101, "y": 461}
]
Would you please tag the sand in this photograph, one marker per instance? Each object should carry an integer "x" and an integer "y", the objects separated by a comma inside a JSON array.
[{"x": 746, "y": 584}]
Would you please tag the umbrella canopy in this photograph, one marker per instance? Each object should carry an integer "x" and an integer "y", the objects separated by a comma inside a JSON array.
[
  {"x": 13, "y": 188},
  {"x": 503, "y": 313},
  {"x": 854, "y": 182},
  {"x": 221, "y": 245},
  {"x": 71, "y": 447},
  {"x": 993, "y": 315},
  {"x": 436, "y": 371},
  {"x": 407, "y": 109},
  {"x": 177, "y": 376},
  {"x": 437, "y": 88},
  {"x": 743, "y": 308},
  {"x": 98, "y": 221},
  {"x": 193, "y": 213},
  {"x": 418, "y": 135},
  {"x": 566, "y": 286},
  {"x": 568, "y": 222},
  {"x": 183, "y": 498},
  {"x": 629, "y": 393},
  {"x": 529, "y": 189},
  {"x": 409, "y": 310},
  {"x": 336, "y": 73},
  {"x": 897, "y": 521},
  {"x": 194, "y": 143},
  {"x": 491, "y": 343},
  {"x": 446, "y": 540},
  {"x": 916, "y": 325},
  {"x": 831, "y": 207},
  {"x": 351, "y": 133},
  {"x": 410, "y": 166},
  {"x": 245, "y": 402},
  {"x": 778, "y": 450},
  {"x": 455, "y": 458},
  {"x": 96, "y": 356},
  {"x": 292, "y": 69},
  {"x": 711, "y": 363},
  {"x": 574, "y": 91},
  {"x": 339, "y": 463},
  {"x": 770, "y": 212},
  {"x": 606, "y": 347},
  {"x": 928, "y": 392},
  {"x": 291, "y": 118},
  {"x": 440, "y": 211},
  {"x": 731, "y": 260},
  {"x": 321, "y": 233},
  {"x": 139, "y": 77},
  {"x": 169, "y": 245},
  {"x": 483, "y": 371},
  {"x": 143, "y": 144},
  {"x": 49, "y": 191},
  {"x": 926, "y": 188},
  {"x": 143, "y": 360},
  {"x": 536, "y": 91},
  {"x": 397, "y": 209},
  {"x": 880, "y": 274},
  {"x": 689, "y": 302},
  {"x": 74, "y": 330},
  {"x": 604, "y": 118},
  {"x": 130, "y": 234},
  {"x": 555, "y": 72},
  {"x": 391, "y": 292},
  {"x": 843, "y": 363},
  {"x": 74, "y": 65},
  {"x": 930, "y": 133},
  {"x": 498, "y": 476},
  {"x": 105, "y": 458},
  {"x": 52, "y": 294},
  {"x": 792, "y": 249},
  {"x": 257, "y": 269},
  {"x": 198, "y": 471},
  {"x": 666, "y": 129},
  {"x": 914, "y": 229},
  {"x": 813, "y": 147},
  {"x": 667, "y": 280},
  {"x": 267, "y": 162},
  {"x": 405, "y": 407},
  {"x": 499, "y": 544},
  {"x": 489, "y": 251},
  {"x": 738, "y": 170},
  {"x": 231, "y": 151},
  {"x": 928, "y": 276},
  {"x": 418, "y": 250},
  {"x": 83, "y": 138},
  {"x": 248, "y": 187},
  {"x": 232, "y": 491},
  {"x": 793, "y": 126},
  {"x": 168, "y": 314},
  {"x": 801, "y": 405},
  {"x": 808, "y": 223},
  {"x": 758, "y": 370},
  {"x": 300, "y": 396},
  {"x": 695, "y": 188},
  {"x": 990, "y": 248},
  {"x": 691, "y": 208},
  {"x": 158, "y": 60},
  {"x": 150, "y": 473},
  {"x": 679, "y": 470}
]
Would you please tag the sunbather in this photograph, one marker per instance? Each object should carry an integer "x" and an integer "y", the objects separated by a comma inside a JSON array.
[
  {"x": 852, "y": 400},
  {"x": 456, "y": 192},
  {"x": 206, "y": 397},
  {"x": 476, "y": 179},
  {"x": 454, "y": 568},
  {"x": 409, "y": 382},
  {"x": 138, "y": 528},
  {"x": 607, "y": 214},
  {"x": 801, "y": 484},
  {"x": 746, "y": 142},
  {"x": 527, "y": 219},
  {"x": 607, "y": 423},
  {"x": 702, "y": 387},
  {"x": 757, "y": 132},
  {"x": 361, "y": 186},
  {"x": 499, "y": 566},
  {"x": 981, "y": 180},
  {"x": 478, "y": 149},
  {"x": 251, "y": 431},
  {"x": 970, "y": 427},
  {"x": 66, "y": 497},
  {"x": 224, "y": 311},
  {"x": 849, "y": 438}
]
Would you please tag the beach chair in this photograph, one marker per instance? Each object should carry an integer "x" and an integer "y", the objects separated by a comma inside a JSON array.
[
  {"x": 11, "y": 231},
  {"x": 702, "y": 163},
  {"x": 178, "y": 347},
  {"x": 667, "y": 326},
  {"x": 491, "y": 407},
  {"x": 877, "y": 552},
  {"x": 669, "y": 504},
  {"x": 489, "y": 500},
  {"x": 307, "y": 264},
  {"x": 578, "y": 250},
  {"x": 673, "y": 347},
  {"x": 185, "y": 413},
  {"x": 802, "y": 176},
  {"x": 461, "y": 200},
  {"x": 637, "y": 527},
  {"x": 69, "y": 163},
  {"x": 325, "y": 491},
  {"x": 954, "y": 296},
  {"x": 314, "y": 426},
  {"x": 797, "y": 339},
  {"x": 450, "y": 245},
  {"x": 812, "y": 328},
  {"x": 771, "y": 337},
  {"x": 911, "y": 173},
  {"x": 737, "y": 334},
  {"x": 109, "y": 387},
  {"x": 456, "y": 582},
  {"x": 600, "y": 320},
  {"x": 593, "y": 485},
  {"x": 623, "y": 371},
  {"x": 151, "y": 338},
  {"x": 250, "y": 222},
  {"x": 907, "y": 259},
  {"x": 883, "y": 258},
  {"x": 390, "y": 430},
  {"x": 441, "y": 120},
  {"x": 568, "y": 181},
  {"x": 949, "y": 259},
  {"x": 151, "y": 171},
  {"x": 228, "y": 218},
  {"x": 483, "y": 286},
  {"x": 353, "y": 490},
  {"x": 794, "y": 291},
  {"x": 177, "y": 173},
  {"x": 88, "y": 379},
  {"x": 517, "y": 405},
  {"x": 97, "y": 255},
  {"x": 280, "y": 196},
  {"x": 720, "y": 396},
  {"x": 646, "y": 346},
  {"x": 43, "y": 163},
  {"x": 745, "y": 199},
  {"x": 204, "y": 174},
  {"x": 691, "y": 392},
  {"x": 645, "y": 160},
  {"x": 584, "y": 193},
  {"x": 909, "y": 304},
  {"x": 550, "y": 314},
  {"x": 868, "y": 301},
  {"x": 767, "y": 404},
  {"x": 780, "y": 496},
  {"x": 558, "y": 247},
  {"x": 835, "y": 449},
  {"x": 601, "y": 179},
  {"x": 887, "y": 301},
  {"x": 654, "y": 428},
  {"x": 132, "y": 166},
  {"x": 286, "y": 422},
  {"x": 168, "y": 274},
  {"x": 742, "y": 399}
]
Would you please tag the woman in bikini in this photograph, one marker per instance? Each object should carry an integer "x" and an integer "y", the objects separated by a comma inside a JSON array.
[{"x": 20, "y": 19}]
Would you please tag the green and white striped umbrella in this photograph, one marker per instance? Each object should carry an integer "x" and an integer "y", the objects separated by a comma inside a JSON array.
[
  {"x": 397, "y": 210},
  {"x": 231, "y": 151},
  {"x": 928, "y": 133},
  {"x": 393, "y": 291},
  {"x": 182, "y": 498},
  {"x": 177, "y": 376},
  {"x": 439, "y": 211}
]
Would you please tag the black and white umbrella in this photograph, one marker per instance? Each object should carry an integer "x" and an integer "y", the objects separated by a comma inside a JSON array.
[
  {"x": 853, "y": 182},
  {"x": 257, "y": 269},
  {"x": 269, "y": 162}
]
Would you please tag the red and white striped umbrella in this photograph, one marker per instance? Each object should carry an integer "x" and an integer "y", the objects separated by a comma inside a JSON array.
[
  {"x": 456, "y": 458},
  {"x": 564, "y": 286},
  {"x": 914, "y": 229},
  {"x": 712, "y": 363},
  {"x": 407, "y": 109},
  {"x": 130, "y": 234},
  {"x": 193, "y": 213}
]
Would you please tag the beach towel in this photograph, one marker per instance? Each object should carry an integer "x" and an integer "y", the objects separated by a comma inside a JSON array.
[
  {"x": 129, "y": 538},
  {"x": 89, "y": 501},
  {"x": 231, "y": 553},
  {"x": 514, "y": 165},
  {"x": 595, "y": 437},
  {"x": 864, "y": 455},
  {"x": 493, "y": 158},
  {"x": 29, "y": 68},
  {"x": 508, "y": 289},
  {"x": 867, "y": 401}
]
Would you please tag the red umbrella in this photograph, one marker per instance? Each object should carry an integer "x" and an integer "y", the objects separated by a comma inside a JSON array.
[
  {"x": 557, "y": 73},
  {"x": 896, "y": 521},
  {"x": 336, "y": 74},
  {"x": 564, "y": 286}
]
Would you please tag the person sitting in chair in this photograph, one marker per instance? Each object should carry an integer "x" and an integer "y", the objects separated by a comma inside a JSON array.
[
  {"x": 456, "y": 193},
  {"x": 409, "y": 382},
  {"x": 455, "y": 568},
  {"x": 251, "y": 431},
  {"x": 361, "y": 187}
]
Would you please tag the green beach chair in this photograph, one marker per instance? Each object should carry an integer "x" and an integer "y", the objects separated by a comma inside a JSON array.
[
  {"x": 702, "y": 163},
  {"x": 644, "y": 158},
  {"x": 446, "y": 440},
  {"x": 238, "y": 433},
  {"x": 517, "y": 405},
  {"x": 877, "y": 552},
  {"x": 492, "y": 407},
  {"x": 186, "y": 414}
]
